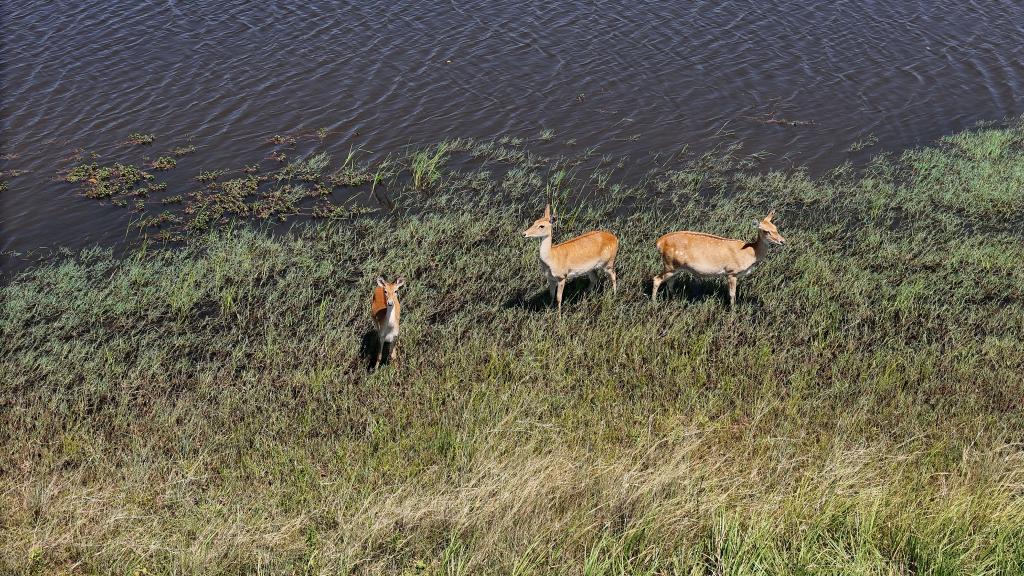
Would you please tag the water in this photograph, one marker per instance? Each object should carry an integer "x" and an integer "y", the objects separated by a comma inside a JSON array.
[{"x": 633, "y": 78}]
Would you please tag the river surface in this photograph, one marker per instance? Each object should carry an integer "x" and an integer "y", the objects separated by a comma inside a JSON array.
[{"x": 805, "y": 81}]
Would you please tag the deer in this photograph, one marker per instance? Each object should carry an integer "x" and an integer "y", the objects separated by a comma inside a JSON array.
[
  {"x": 704, "y": 255},
  {"x": 583, "y": 254},
  {"x": 386, "y": 311}
]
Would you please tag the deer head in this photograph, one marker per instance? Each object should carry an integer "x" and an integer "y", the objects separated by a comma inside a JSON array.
[
  {"x": 542, "y": 226},
  {"x": 391, "y": 289},
  {"x": 769, "y": 230}
]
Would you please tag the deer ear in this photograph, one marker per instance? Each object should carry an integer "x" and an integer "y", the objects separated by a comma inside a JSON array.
[
  {"x": 380, "y": 281},
  {"x": 756, "y": 224},
  {"x": 400, "y": 282},
  {"x": 547, "y": 212},
  {"x": 770, "y": 216}
]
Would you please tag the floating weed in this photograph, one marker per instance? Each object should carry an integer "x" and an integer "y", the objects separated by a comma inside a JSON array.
[
  {"x": 159, "y": 220},
  {"x": 140, "y": 139},
  {"x": 180, "y": 151},
  {"x": 164, "y": 163},
  {"x": 279, "y": 203},
  {"x": 240, "y": 187},
  {"x": 106, "y": 181},
  {"x": 866, "y": 142},
  {"x": 510, "y": 141},
  {"x": 208, "y": 176},
  {"x": 176, "y": 199},
  {"x": 305, "y": 170},
  {"x": 546, "y": 135},
  {"x": 282, "y": 140},
  {"x": 330, "y": 211}
]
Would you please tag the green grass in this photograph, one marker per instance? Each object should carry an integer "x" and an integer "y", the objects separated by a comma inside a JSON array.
[
  {"x": 208, "y": 409},
  {"x": 426, "y": 166}
]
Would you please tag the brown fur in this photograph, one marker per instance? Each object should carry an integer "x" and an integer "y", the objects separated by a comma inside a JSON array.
[
  {"x": 584, "y": 254},
  {"x": 703, "y": 254},
  {"x": 379, "y": 305}
]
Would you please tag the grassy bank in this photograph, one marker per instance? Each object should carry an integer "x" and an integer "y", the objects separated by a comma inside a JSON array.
[{"x": 207, "y": 409}]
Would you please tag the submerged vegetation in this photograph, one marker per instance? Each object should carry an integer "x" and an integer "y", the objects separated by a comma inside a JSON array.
[
  {"x": 164, "y": 163},
  {"x": 116, "y": 180},
  {"x": 208, "y": 409},
  {"x": 140, "y": 139}
]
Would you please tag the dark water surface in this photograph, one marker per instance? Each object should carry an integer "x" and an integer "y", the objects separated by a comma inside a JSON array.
[{"x": 633, "y": 78}]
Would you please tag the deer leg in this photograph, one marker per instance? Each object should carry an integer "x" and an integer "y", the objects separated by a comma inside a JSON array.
[
  {"x": 552, "y": 288},
  {"x": 380, "y": 352},
  {"x": 593, "y": 277},
  {"x": 610, "y": 269},
  {"x": 561, "y": 287},
  {"x": 394, "y": 351},
  {"x": 657, "y": 280},
  {"x": 732, "y": 291}
]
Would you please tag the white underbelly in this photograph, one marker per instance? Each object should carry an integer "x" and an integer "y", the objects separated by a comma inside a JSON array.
[
  {"x": 713, "y": 270},
  {"x": 388, "y": 333},
  {"x": 574, "y": 272}
]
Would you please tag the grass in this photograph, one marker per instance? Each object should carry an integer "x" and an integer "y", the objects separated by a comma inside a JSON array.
[
  {"x": 208, "y": 409},
  {"x": 426, "y": 166}
]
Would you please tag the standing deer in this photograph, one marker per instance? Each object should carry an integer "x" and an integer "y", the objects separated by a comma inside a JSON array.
[
  {"x": 386, "y": 311},
  {"x": 705, "y": 255},
  {"x": 573, "y": 258}
]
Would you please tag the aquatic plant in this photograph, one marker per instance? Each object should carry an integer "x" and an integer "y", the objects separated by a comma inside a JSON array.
[
  {"x": 180, "y": 151},
  {"x": 306, "y": 170},
  {"x": 164, "y": 163},
  {"x": 351, "y": 173},
  {"x": 281, "y": 139},
  {"x": 140, "y": 138},
  {"x": 866, "y": 142},
  {"x": 208, "y": 176},
  {"x": 105, "y": 181},
  {"x": 425, "y": 165}
]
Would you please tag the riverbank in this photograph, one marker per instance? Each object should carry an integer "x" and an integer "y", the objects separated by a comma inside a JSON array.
[{"x": 208, "y": 409}]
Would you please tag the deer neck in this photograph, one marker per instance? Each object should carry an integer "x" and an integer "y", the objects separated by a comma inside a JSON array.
[
  {"x": 391, "y": 317},
  {"x": 545, "y": 250},
  {"x": 760, "y": 245}
]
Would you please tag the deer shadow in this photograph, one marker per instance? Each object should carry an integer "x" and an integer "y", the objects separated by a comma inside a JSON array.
[
  {"x": 536, "y": 301},
  {"x": 368, "y": 350},
  {"x": 694, "y": 290}
]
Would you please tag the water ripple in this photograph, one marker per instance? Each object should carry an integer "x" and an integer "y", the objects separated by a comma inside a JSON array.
[{"x": 85, "y": 74}]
